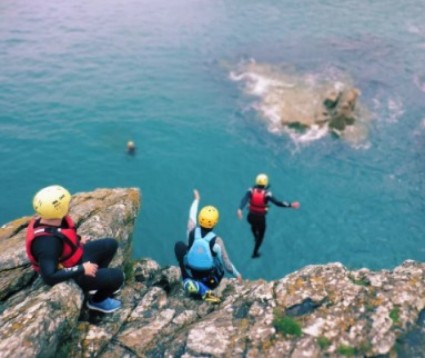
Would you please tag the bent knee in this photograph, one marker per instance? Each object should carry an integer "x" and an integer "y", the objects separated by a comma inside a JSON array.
[
  {"x": 180, "y": 249},
  {"x": 111, "y": 245},
  {"x": 116, "y": 276}
]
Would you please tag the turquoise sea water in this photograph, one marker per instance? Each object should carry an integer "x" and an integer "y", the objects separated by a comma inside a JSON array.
[{"x": 78, "y": 79}]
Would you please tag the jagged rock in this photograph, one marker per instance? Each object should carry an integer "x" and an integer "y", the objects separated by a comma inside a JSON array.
[
  {"x": 36, "y": 319},
  {"x": 320, "y": 310},
  {"x": 343, "y": 114},
  {"x": 35, "y": 326},
  {"x": 337, "y": 109},
  {"x": 354, "y": 312}
]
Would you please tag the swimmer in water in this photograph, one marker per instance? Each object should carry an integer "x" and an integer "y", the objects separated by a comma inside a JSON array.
[{"x": 131, "y": 147}]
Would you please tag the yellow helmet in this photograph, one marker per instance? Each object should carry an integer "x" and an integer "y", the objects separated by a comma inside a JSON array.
[
  {"x": 262, "y": 179},
  {"x": 52, "y": 202},
  {"x": 208, "y": 217}
]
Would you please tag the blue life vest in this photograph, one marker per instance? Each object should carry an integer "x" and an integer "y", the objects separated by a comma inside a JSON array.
[{"x": 200, "y": 256}]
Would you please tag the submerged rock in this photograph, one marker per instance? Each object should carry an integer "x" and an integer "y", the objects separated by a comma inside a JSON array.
[
  {"x": 342, "y": 112},
  {"x": 297, "y": 102}
]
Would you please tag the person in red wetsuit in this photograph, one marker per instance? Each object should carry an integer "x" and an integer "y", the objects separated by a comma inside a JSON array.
[
  {"x": 258, "y": 197},
  {"x": 58, "y": 253}
]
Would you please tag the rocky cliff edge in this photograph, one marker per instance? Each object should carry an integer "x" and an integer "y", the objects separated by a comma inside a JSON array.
[{"x": 318, "y": 311}]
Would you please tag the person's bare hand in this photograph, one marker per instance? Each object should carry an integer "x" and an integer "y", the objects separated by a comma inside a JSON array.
[
  {"x": 239, "y": 278},
  {"x": 85, "y": 239},
  {"x": 90, "y": 269},
  {"x": 196, "y": 194},
  {"x": 240, "y": 214},
  {"x": 295, "y": 204}
]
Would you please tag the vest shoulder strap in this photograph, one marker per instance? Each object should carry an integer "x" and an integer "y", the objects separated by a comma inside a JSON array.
[
  {"x": 208, "y": 237},
  {"x": 57, "y": 233}
]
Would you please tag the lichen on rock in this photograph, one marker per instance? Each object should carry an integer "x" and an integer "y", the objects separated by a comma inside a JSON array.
[{"x": 324, "y": 310}]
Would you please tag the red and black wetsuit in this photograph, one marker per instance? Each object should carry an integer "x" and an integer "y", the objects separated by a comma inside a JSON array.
[{"x": 258, "y": 198}]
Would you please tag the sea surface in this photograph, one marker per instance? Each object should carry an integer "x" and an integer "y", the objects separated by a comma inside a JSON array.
[{"x": 78, "y": 79}]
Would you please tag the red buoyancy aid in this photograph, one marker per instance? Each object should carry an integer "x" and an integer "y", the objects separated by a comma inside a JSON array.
[
  {"x": 72, "y": 249},
  {"x": 257, "y": 203}
]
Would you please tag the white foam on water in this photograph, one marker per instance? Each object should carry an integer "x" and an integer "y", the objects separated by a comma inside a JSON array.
[
  {"x": 387, "y": 109},
  {"x": 395, "y": 109},
  {"x": 419, "y": 82},
  {"x": 415, "y": 29},
  {"x": 272, "y": 113},
  {"x": 418, "y": 132},
  {"x": 376, "y": 103},
  {"x": 339, "y": 86},
  {"x": 257, "y": 84},
  {"x": 281, "y": 94},
  {"x": 362, "y": 146},
  {"x": 312, "y": 134}
]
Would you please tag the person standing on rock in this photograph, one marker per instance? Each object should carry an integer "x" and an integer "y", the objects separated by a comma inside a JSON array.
[
  {"x": 204, "y": 260},
  {"x": 58, "y": 253},
  {"x": 258, "y": 197}
]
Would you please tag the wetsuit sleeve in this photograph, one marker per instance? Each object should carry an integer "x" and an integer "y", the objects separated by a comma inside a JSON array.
[
  {"x": 191, "y": 223},
  {"x": 282, "y": 204},
  {"x": 47, "y": 250},
  {"x": 191, "y": 238},
  {"x": 221, "y": 253},
  {"x": 245, "y": 199}
]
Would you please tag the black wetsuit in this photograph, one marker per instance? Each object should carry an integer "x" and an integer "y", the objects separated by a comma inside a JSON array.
[
  {"x": 47, "y": 250},
  {"x": 258, "y": 220}
]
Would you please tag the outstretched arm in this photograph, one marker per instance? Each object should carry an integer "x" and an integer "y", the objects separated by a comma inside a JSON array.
[
  {"x": 191, "y": 223},
  {"x": 242, "y": 204},
  {"x": 221, "y": 252},
  {"x": 282, "y": 204}
]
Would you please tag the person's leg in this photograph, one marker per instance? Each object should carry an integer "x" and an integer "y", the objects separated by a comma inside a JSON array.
[
  {"x": 100, "y": 251},
  {"x": 106, "y": 282},
  {"x": 252, "y": 222},
  {"x": 213, "y": 279},
  {"x": 255, "y": 231},
  {"x": 207, "y": 285},
  {"x": 258, "y": 242},
  {"x": 262, "y": 228},
  {"x": 259, "y": 225},
  {"x": 180, "y": 250},
  {"x": 203, "y": 289},
  {"x": 195, "y": 288}
]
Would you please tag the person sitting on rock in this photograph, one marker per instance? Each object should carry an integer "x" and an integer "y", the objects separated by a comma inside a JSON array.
[
  {"x": 204, "y": 260},
  {"x": 58, "y": 253}
]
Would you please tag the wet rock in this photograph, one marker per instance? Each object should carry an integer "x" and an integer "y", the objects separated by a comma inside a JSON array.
[{"x": 343, "y": 113}]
